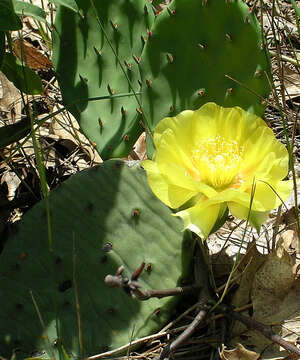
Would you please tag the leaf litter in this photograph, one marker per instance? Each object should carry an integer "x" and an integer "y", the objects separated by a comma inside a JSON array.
[{"x": 268, "y": 279}]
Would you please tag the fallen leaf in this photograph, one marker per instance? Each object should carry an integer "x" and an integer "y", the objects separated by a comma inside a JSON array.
[
  {"x": 239, "y": 353},
  {"x": 290, "y": 242},
  {"x": 291, "y": 82},
  {"x": 275, "y": 293},
  {"x": 30, "y": 55}
]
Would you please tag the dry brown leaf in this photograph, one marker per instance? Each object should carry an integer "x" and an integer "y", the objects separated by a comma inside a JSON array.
[
  {"x": 289, "y": 218},
  {"x": 291, "y": 82},
  {"x": 273, "y": 292},
  {"x": 275, "y": 296},
  {"x": 70, "y": 130},
  {"x": 249, "y": 266},
  {"x": 239, "y": 353},
  {"x": 9, "y": 97},
  {"x": 30, "y": 55},
  {"x": 290, "y": 242}
]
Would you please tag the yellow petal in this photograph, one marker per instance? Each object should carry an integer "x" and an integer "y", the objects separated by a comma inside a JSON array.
[
  {"x": 256, "y": 218},
  {"x": 233, "y": 195},
  {"x": 271, "y": 194},
  {"x": 265, "y": 156},
  {"x": 172, "y": 195},
  {"x": 200, "y": 219},
  {"x": 233, "y": 123},
  {"x": 209, "y": 158}
]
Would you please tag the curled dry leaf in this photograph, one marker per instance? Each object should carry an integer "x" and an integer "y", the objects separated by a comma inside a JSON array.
[
  {"x": 290, "y": 243},
  {"x": 271, "y": 284},
  {"x": 30, "y": 55},
  {"x": 239, "y": 353}
]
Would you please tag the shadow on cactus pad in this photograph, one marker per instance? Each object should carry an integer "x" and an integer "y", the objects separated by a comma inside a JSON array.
[{"x": 111, "y": 216}]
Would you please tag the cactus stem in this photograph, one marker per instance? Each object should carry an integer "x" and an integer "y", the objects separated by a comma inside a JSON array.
[
  {"x": 114, "y": 25},
  {"x": 126, "y": 137},
  {"x": 149, "y": 83},
  {"x": 201, "y": 92},
  {"x": 123, "y": 111},
  {"x": 170, "y": 58},
  {"x": 171, "y": 12},
  {"x": 110, "y": 90},
  {"x": 228, "y": 37},
  {"x": 136, "y": 58},
  {"x": 201, "y": 46},
  {"x": 229, "y": 91},
  {"x": 100, "y": 124}
]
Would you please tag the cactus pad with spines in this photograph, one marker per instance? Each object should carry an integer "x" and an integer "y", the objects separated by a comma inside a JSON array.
[
  {"x": 113, "y": 219},
  {"x": 193, "y": 45},
  {"x": 87, "y": 67}
]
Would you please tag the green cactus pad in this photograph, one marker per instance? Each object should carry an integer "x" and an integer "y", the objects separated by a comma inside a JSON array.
[
  {"x": 113, "y": 219},
  {"x": 193, "y": 45},
  {"x": 87, "y": 67}
]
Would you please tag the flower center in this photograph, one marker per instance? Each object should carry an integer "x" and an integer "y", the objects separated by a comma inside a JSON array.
[{"x": 217, "y": 161}]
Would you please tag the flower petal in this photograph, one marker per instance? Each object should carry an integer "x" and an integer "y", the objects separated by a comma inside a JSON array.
[
  {"x": 234, "y": 123},
  {"x": 271, "y": 195},
  {"x": 200, "y": 219},
  {"x": 172, "y": 195},
  {"x": 256, "y": 218},
  {"x": 265, "y": 156}
]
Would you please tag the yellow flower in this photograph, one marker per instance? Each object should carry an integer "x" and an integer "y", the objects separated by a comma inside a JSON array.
[{"x": 209, "y": 159}]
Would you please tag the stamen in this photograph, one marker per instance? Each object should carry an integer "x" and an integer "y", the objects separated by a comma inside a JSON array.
[{"x": 218, "y": 161}]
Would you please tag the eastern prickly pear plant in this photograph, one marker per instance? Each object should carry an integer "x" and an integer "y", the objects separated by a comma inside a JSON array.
[
  {"x": 96, "y": 53},
  {"x": 122, "y": 66},
  {"x": 191, "y": 53},
  {"x": 203, "y": 51},
  {"x": 102, "y": 218}
]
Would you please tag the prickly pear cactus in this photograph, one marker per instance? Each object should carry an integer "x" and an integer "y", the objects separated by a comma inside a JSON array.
[
  {"x": 192, "y": 46},
  {"x": 112, "y": 218},
  {"x": 87, "y": 49},
  {"x": 191, "y": 51}
]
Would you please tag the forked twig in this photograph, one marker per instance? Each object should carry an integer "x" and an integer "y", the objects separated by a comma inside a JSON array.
[
  {"x": 187, "y": 333},
  {"x": 134, "y": 288}
]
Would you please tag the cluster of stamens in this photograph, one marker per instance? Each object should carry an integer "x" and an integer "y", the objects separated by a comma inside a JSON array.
[{"x": 217, "y": 161}]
